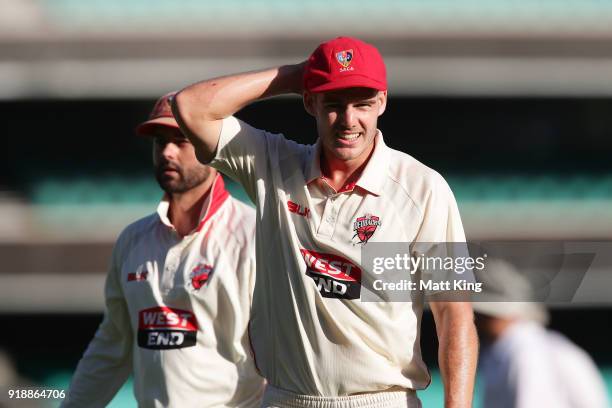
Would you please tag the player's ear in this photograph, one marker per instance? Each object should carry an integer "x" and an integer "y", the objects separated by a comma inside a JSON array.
[
  {"x": 382, "y": 97},
  {"x": 309, "y": 102}
]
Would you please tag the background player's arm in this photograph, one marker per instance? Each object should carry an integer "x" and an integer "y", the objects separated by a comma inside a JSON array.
[
  {"x": 200, "y": 108},
  {"x": 107, "y": 362},
  {"x": 458, "y": 351}
]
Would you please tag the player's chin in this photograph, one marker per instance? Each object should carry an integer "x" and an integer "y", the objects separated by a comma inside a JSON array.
[
  {"x": 346, "y": 153},
  {"x": 170, "y": 184}
]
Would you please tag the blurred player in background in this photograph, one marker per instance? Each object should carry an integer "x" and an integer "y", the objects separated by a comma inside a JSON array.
[
  {"x": 178, "y": 293},
  {"x": 316, "y": 343},
  {"x": 524, "y": 365}
]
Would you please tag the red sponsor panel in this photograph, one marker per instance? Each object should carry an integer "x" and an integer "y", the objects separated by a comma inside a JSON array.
[
  {"x": 164, "y": 317},
  {"x": 334, "y": 266}
]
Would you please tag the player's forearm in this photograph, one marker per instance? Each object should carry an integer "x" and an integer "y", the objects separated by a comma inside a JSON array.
[
  {"x": 200, "y": 108},
  {"x": 458, "y": 351},
  {"x": 218, "y": 98}
]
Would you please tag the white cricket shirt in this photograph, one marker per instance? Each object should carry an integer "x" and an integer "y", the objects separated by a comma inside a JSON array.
[
  {"x": 532, "y": 367},
  {"x": 310, "y": 331},
  {"x": 177, "y": 313}
]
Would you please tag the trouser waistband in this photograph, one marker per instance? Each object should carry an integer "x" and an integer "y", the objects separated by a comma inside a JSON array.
[{"x": 278, "y": 398}]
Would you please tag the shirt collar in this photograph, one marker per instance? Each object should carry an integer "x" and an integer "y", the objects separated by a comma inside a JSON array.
[
  {"x": 216, "y": 198},
  {"x": 371, "y": 179},
  {"x": 314, "y": 171}
]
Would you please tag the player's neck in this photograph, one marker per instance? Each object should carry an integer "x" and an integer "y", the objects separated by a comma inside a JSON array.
[
  {"x": 186, "y": 208},
  {"x": 338, "y": 173}
]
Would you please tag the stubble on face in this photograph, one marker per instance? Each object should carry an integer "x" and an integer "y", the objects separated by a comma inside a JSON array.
[
  {"x": 179, "y": 172},
  {"x": 176, "y": 179},
  {"x": 347, "y": 121}
]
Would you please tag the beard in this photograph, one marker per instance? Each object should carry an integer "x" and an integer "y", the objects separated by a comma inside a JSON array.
[{"x": 181, "y": 179}]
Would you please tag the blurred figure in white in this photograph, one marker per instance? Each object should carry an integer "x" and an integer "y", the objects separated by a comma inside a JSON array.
[{"x": 523, "y": 364}]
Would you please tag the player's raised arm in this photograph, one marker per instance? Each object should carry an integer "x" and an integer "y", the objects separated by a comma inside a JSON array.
[{"x": 200, "y": 108}]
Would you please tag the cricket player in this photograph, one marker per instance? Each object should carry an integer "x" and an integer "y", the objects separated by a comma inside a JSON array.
[
  {"x": 178, "y": 293},
  {"x": 316, "y": 343}
]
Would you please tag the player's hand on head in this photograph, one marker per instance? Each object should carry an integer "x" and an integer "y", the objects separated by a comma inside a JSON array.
[{"x": 294, "y": 74}]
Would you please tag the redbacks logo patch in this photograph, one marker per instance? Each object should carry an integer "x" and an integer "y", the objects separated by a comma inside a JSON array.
[
  {"x": 365, "y": 227},
  {"x": 335, "y": 276},
  {"x": 163, "y": 328},
  {"x": 344, "y": 58},
  {"x": 200, "y": 274}
]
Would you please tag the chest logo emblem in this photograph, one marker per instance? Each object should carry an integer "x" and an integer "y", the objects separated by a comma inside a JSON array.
[
  {"x": 200, "y": 275},
  {"x": 365, "y": 227}
]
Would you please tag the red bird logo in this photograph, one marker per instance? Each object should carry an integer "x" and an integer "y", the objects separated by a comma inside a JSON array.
[
  {"x": 365, "y": 227},
  {"x": 200, "y": 275}
]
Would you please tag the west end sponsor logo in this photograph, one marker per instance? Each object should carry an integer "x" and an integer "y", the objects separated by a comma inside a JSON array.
[
  {"x": 334, "y": 275},
  {"x": 163, "y": 328}
]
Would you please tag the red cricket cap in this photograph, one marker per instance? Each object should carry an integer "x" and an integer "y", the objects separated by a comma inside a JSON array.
[
  {"x": 161, "y": 115},
  {"x": 345, "y": 62}
]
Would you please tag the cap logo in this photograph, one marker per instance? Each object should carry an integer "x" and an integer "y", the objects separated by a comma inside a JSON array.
[{"x": 344, "y": 58}]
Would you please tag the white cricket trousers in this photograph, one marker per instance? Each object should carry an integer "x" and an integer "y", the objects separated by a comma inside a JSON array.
[{"x": 277, "y": 398}]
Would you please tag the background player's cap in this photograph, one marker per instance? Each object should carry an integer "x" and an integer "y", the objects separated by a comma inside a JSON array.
[
  {"x": 344, "y": 62},
  {"x": 161, "y": 115}
]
